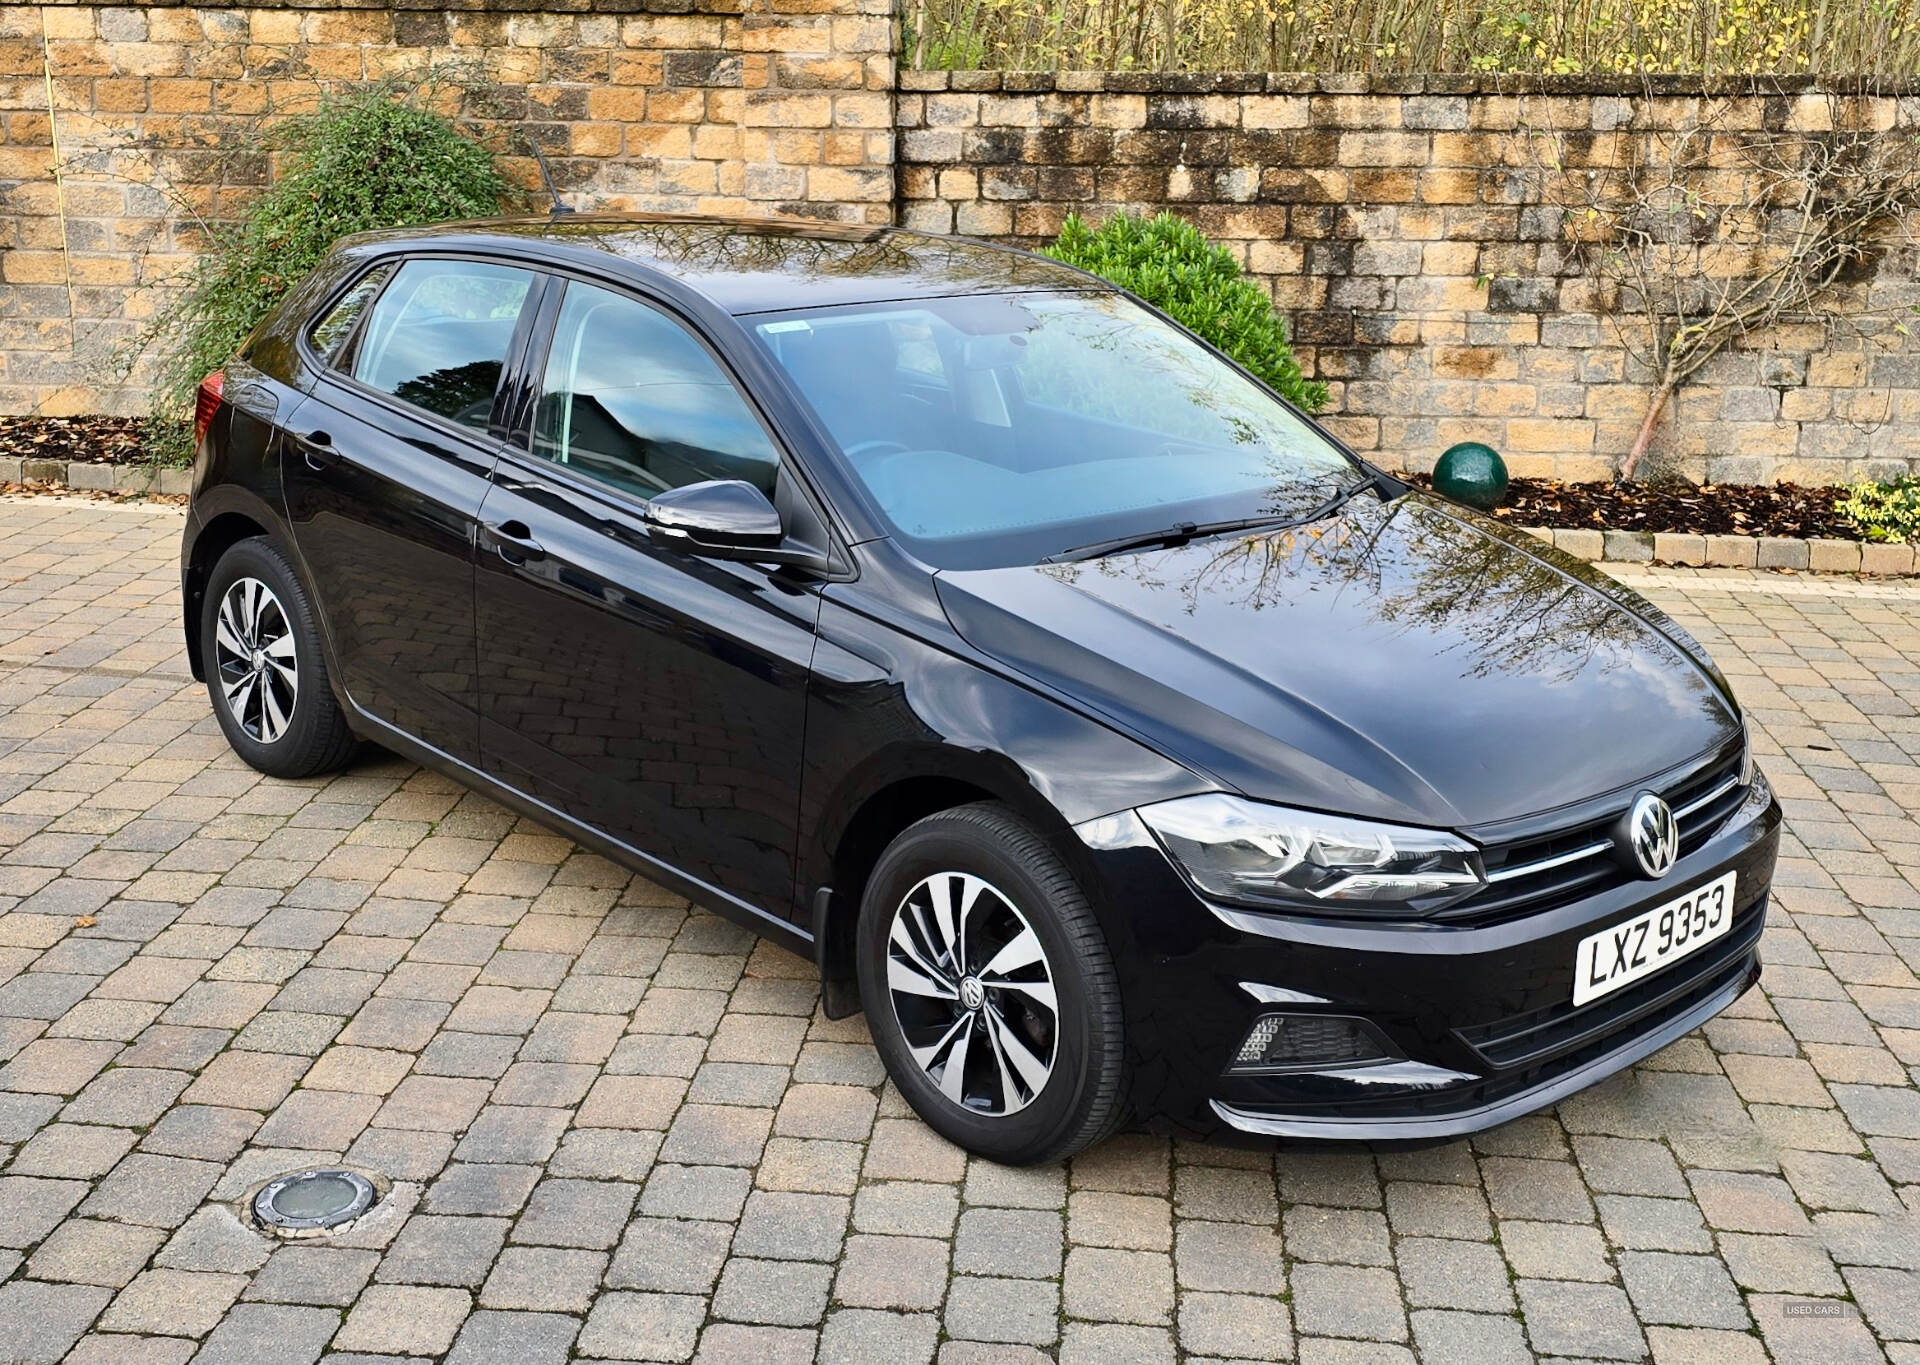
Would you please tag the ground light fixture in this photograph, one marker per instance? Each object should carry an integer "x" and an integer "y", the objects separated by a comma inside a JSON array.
[{"x": 313, "y": 1200}]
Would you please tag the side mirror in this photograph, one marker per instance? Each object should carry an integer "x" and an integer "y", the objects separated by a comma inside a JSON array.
[{"x": 723, "y": 519}]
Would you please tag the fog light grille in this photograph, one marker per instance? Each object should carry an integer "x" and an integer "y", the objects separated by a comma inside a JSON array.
[{"x": 1309, "y": 1040}]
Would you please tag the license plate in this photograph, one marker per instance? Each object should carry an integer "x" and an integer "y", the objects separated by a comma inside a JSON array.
[{"x": 1638, "y": 947}]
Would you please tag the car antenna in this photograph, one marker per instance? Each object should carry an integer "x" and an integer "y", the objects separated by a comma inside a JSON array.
[{"x": 560, "y": 205}]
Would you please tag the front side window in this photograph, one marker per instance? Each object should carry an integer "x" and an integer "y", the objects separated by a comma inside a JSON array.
[
  {"x": 632, "y": 399},
  {"x": 1005, "y": 428},
  {"x": 439, "y": 334}
]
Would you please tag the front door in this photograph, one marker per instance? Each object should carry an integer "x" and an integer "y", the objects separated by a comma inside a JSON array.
[
  {"x": 385, "y": 470},
  {"x": 653, "y": 695}
]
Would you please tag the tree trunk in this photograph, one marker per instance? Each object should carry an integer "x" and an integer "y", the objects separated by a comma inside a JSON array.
[
  {"x": 919, "y": 58},
  {"x": 1655, "y": 405}
]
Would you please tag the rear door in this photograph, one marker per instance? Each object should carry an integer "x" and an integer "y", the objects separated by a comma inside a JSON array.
[
  {"x": 385, "y": 472},
  {"x": 656, "y": 696}
]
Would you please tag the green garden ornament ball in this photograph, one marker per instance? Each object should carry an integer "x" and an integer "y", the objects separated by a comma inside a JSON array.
[{"x": 1471, "y": 473}]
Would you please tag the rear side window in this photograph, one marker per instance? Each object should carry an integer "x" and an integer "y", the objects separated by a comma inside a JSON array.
[
  {"x": 331, "y": 333},
  {"x": 438, "y": 336}
]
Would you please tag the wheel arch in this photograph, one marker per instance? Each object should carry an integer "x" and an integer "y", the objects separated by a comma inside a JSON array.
[
  {"x": 896, "y": 792},
  {"x": 216, "y": 536}
]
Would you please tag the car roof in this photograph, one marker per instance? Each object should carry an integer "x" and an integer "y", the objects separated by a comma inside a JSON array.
[{"x": 755, "y": 265}]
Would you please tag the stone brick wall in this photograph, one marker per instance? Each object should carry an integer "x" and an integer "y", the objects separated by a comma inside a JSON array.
[
  {"x": 709, "y": 106},
  {"x": 1402, "y": 225}
]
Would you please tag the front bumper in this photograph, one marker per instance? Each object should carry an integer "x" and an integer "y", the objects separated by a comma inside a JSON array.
[{"x": 1482, "y": 1014}]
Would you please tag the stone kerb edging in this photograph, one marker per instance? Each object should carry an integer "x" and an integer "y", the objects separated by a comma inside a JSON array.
[
  {"x": 96, "y": 477},
  {"x": 1732, "y": 552}
]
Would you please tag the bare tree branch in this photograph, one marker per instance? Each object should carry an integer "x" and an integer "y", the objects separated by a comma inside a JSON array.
[{"x": 1701, "y": 236}]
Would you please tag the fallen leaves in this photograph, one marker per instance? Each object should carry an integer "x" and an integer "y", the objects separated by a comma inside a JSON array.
[{"x": 116, "y": 440}]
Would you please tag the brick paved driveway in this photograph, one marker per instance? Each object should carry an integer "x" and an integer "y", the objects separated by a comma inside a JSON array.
[{"x": 618, "y": 1129}]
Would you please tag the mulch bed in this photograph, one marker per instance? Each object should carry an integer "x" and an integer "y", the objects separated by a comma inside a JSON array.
[
  {"x": 115, "y": 440},
  {"x": 1706, "y": 509},
  {"x": 1723, "y": 509}
]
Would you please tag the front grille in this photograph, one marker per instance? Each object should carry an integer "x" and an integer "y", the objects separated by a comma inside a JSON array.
[
  {"x": 1538, "y": 1035},
  {"x": 1541, "y": 872}
]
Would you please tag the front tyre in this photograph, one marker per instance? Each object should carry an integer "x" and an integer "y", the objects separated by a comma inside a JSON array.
[
  {"x": 989, "y": 988},
  {"x": 260, "y": 648}
]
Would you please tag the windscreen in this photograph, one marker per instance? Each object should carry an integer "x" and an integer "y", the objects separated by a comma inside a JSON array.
[{"x": 1008, "y": 428}]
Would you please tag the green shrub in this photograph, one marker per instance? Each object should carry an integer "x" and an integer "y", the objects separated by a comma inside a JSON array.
[
  {"x": 373, "y": 157},
  {"x": 1884, "y": 511},
  {"x": 1168, "y": 263}
]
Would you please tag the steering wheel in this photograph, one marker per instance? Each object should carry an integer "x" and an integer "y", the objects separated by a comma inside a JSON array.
[{"x": 861, "y": 449}]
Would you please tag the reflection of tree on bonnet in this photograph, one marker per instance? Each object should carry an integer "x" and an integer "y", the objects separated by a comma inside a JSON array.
[
  {"x": 1514, "y": 613},
  {"x": 1419, "y": 568}
]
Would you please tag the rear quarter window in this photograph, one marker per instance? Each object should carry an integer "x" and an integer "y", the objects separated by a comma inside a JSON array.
[{"x": 331, "y": 334}]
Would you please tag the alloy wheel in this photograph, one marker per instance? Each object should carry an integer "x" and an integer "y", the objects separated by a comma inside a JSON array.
[
  {"x": 973, "y": 993},
  {"x": 253, "y": 640}
]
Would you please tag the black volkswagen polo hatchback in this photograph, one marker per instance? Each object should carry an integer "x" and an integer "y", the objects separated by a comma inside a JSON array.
[{"x": 1117, "y": 740}]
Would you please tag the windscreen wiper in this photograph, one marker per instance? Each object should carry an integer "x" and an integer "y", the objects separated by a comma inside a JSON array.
[{"x": 1180, "y": 533}]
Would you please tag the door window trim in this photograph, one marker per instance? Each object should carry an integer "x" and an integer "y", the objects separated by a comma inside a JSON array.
[
  {"x": 521, "y": 471},
  {"x": 538, "y": 289},
  {"x": 540, "y": 348}
]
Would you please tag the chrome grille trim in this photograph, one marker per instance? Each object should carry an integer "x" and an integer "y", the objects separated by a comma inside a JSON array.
[
  {"x": 1700, "y": 802},
  {"x": 1546, "y": 864}
]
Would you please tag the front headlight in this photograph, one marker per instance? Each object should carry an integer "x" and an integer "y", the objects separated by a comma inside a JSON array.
[
  {"x": 1257, "y": 854},
  {"x": 1746, "y": 752}
]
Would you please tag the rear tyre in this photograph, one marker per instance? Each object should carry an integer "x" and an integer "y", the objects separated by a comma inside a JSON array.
[
  {"x": 990, "y": 990},
  {"x": 260, "y": 648}
]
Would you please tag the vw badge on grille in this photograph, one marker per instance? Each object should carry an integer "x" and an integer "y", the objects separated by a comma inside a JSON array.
[{"x": 1653, "y": 835}]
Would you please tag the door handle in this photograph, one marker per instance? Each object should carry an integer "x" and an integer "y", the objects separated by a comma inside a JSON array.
[
  {"x": 318, "y": 449},
  {"x": 513, "y": 541}
]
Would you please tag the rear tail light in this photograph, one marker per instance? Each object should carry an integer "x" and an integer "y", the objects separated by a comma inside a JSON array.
[
  {"x": 1310, "y": 1041},
  {"x": 206, "y": 402}
]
